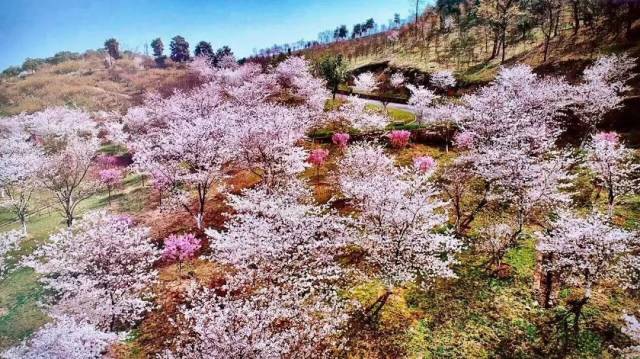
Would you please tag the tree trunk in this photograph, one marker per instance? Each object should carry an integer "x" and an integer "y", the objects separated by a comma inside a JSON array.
[
  {"x": 576, "y": 17},
  {"x": 504, "y": 44}
]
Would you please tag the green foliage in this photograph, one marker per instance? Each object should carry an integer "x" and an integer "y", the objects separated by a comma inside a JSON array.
[
  {"x": 203, "y": 48},
  {"x": 11, "y": 71},
  {"x": 334, "y": 70},
  {"x": 523, "y": 258},
  {"x": 158, "y": 47},
  {"x": 32, "y": 64},
  {"x": 113, "y": 48},
  {"x": 179, "y": 49}
]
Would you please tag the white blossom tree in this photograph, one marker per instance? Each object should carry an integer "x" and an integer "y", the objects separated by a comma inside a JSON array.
[
  {"x": 583, "y": 251},
  {"x": 100, "y": 270},
  {"x": 64, "y": 338},
  {"x": 398, "y": 216},
  {"x": 282, "y": 298},
  {"x": 20, "y": 164},
  {"x": 9, "y": 241},
  {"x": 613, "y": 165}
]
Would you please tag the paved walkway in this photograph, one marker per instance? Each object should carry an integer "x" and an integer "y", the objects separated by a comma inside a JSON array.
[{"x": 400, "y": 106}]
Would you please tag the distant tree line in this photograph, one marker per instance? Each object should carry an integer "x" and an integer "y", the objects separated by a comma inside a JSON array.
[{"x": 179, "y": 52}]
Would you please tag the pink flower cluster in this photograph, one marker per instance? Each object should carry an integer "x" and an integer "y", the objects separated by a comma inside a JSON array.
[
  {"x": 340, "y": 139},
  {"x": 424, "y": 163},
  {"x": 159, "y": 181},
  {"x": 111, "y": 177},
  {"x": 399, "y": 138},
  {"x": 318, "y": 156},
  {"x": 464, "y": 140},
  {"x": 180, "y": 247},
  {"x": 611, "y": 137}
]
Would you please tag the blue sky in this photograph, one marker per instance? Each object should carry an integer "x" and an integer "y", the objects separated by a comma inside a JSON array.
[{"x": 40, "y": 28}]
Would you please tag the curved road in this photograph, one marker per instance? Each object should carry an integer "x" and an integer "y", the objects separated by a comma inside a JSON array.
[{"x": 400, "y": 106}]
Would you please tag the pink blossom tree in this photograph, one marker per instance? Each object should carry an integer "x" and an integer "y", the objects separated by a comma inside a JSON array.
[
  {"x": 317, "y": 158},
  {"x": 100, "y": 270},
  {"x": 602, "y": 90},
  {"x": 179, "y": 248},
  {"x": 397, "y": 79},
  {"x": 421, "y": 99},
  {"x": 189, "y": 153},
  {"x": 67, "y": 139},
  {"x": 64, "y": 338},
  {"x": 160, "y": 183},
  {"x": 399, "y": 138},
  {"x": 613, "y": 165},
  {"x": 424, "y": 164},
  {"x": 340, "y": 139},
  {"x": 111, "y": 178}
]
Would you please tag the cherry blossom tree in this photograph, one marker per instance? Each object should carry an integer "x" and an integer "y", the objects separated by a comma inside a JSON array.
[
  {"x": 424, "y": 163},
  {"x": 632, "y": 330},
  {"x": 397, "y": 79},
  {"x": 100, "y": 270},
  {"x": 20, "y": 164},
  {"x": 64, "y": 338},
  {"x": 612, "y": 163},
  {"x": 398, "y": 215},
  {"x": 111, "y": 178},
  {"x": 399, "y": 138},
  {"x": 602, "y": 89},
  {"x": 282, "y": 301},
  {"x": 295, "y": 77},
  {"x": 421, "y": 99},
  {"x": 66, "y": 138},
  {"x": 359, "y": 116},
  {"x": 189, "y": 153},
  {"x": 264, "y": 323},
  {"x": 265, "y": 139},
  {"x": 365, "y": 82},
  {"x": 583, "y": 251},
  {"x": 340, "y": 139},
  {"x": 443, "y": 80},
  {"x": 317, "y": 158},
  {"x": 160, "y": 183},
  {"x": 9, "y": 241},
  {"x": 179, "y": 248},
  {"x": 65, "y": 174}
]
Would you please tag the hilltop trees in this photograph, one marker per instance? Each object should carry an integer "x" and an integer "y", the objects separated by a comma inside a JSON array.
[
  {"x": 158, "y": 51},
  {"x": 203, "y": 48},
  {"x": 113, "y": 48},
  {"x": 179, "y": 49}
]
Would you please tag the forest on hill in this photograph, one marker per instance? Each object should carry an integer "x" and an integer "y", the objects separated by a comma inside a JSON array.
[{"x": 458, "y": 184}]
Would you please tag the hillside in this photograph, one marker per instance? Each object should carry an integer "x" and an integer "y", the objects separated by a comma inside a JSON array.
[
  {"x": 299, "y": 207},
  {"x": 87, "y": 83}
]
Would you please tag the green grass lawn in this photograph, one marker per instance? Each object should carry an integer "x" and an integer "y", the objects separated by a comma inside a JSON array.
[{"x": 20, "y": 290}]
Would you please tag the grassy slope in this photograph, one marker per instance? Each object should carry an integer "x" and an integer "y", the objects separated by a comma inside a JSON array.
[{"x": 86, "y": 83}]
